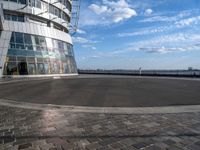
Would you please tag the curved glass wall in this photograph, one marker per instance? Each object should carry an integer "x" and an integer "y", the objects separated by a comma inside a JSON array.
[{"x": 33, "y": 54}]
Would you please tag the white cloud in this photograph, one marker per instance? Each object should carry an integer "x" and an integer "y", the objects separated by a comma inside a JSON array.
[
  {"x": 79, "y": 31},
  {"x": 85, "y": 43},
  {"x": 119, "y": 3},
  {"x": 182, "y": 19},
  {"x": 168, "y": 43},
  {"x": 108, "y": 12},
  {"x": 160, "y": 19},
  {"x": 148, "y": 12},
  {"x": 91, "y": 46},
  {"x": 188, "y": 21},
  {"x": 143, "y": 31},
  {"x": 177, "y": 42},
  {"x": 164, "y": 18},
  {"x": 80, "y": 40},
  {"x": 98, "y": 9}
]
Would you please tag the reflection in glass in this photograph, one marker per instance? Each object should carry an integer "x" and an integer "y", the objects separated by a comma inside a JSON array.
[
  {"x": 31, "y": 69},
  {"x": 41, "y": 69},
  {"x": 46, "y": 68},
  {"x": 38, "y": 55},
  {"x": 11, "y": 68}
]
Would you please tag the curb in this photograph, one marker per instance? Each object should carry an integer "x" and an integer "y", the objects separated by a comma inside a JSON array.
[{"x": 107, "y": 110}]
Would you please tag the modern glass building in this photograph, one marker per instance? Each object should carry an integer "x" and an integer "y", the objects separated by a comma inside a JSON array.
[{"x": 35, "y": 39}]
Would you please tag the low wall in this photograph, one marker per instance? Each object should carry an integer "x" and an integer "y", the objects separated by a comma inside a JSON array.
[{"x": 173, "y": 73}]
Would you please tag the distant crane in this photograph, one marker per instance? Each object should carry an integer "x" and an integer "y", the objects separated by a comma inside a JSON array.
[{"x": 74, "y": 16}]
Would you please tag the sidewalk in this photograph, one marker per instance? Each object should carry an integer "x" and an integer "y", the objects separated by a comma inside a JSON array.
[{"x": 22, "y": 128}]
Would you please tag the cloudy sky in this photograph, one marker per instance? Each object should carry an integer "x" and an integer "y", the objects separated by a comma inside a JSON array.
[{"x": 128, "y": 34}]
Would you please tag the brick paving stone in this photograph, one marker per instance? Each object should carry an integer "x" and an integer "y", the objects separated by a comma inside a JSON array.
[
  {"x": 169, "y": 142},
  {"x": 193, "y": 147},
  {"x": 139, "y": 145},
  {"x": 55, "y": 129},
  {"x": 197, "y": 143},
  {"x": 8, "y": 140},
  {"x": 153, "y": 147},
  {"x": 24, "y": 146}
]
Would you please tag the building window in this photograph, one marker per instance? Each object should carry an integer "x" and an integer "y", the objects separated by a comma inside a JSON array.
[
  {"x": 17, "y": 1},
  {"x": 20, "y": 18},
  {"x": 13, "y": 1},
  {"x": 19, "y": 37},
  {"x": 38, "y": 4},
  {"x": 22, "y": 1},
  {"x": 13, "y": 17}
]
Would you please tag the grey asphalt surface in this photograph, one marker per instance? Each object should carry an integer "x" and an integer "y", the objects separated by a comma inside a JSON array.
[{"x": 105, "y": 91}]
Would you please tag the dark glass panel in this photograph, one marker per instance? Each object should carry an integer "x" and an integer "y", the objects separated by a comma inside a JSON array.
[
  {"x": 37, "y": 40},
  {"x": 12, "y": 58},
  {"x": 21, "y": 18},
  {"x": 19, "y": 37},
  {"x": 28, "y": 47},
  {"x": 31, "y": 2},
  {"x": 27, "y": 39},
  {"x": 7, "y": 17},
  {"x": 12, "y": 46},
  {"x": 11, "y": 68},
  {"x": 59, "y": 13},
  {"x": 21, "y": 53},
  {"x": 20, "y": 46},
  {"x": 22, "y": 67},
  {"x": 22, "y": 1},
  {"x": 31, "y": 53},
  {"x": 11, "y": 52},
  {"x": 14, "y": 1},
  {"x": 12, "y": 39},
  {"x": 14, "y": 18}
]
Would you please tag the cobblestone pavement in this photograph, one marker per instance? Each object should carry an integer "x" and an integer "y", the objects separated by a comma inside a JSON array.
[{"x": 53, "y": 129}]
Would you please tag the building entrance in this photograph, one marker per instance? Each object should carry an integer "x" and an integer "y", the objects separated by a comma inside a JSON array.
[{"x": 22, "y": 66}]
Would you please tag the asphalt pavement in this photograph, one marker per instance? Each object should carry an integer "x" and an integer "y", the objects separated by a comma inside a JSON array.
[{"x": 102, "y": 91}]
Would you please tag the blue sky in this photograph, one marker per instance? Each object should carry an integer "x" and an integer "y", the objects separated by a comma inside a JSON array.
[{"x": 128, "y": 34}]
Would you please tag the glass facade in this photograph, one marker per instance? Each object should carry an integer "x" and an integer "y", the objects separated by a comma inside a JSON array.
[
  {"x": 38, "y": 55},
  {"x": 47, "y": 7}
]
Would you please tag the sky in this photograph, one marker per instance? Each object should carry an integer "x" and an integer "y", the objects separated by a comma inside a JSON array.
[{"x": 129, "y": 34}]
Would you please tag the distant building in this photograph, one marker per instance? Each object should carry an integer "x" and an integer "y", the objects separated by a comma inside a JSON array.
[
  {"x": 190, "y": 68},
  {"x": 35, "y": 39}
]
